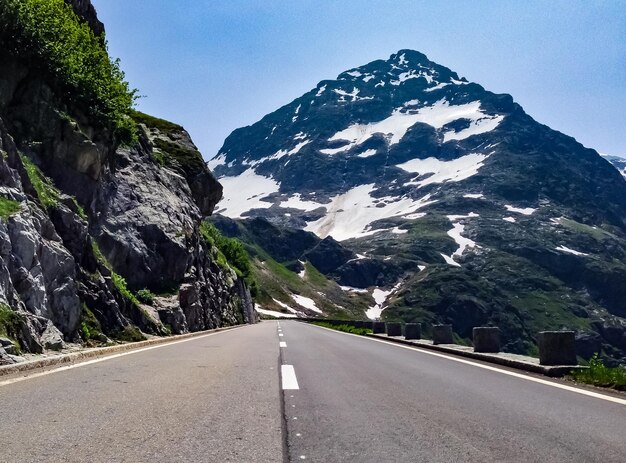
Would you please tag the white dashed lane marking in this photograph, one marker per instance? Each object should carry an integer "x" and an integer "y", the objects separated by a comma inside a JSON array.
[
  {"x": 289, "y": 380},
  {"x": 282, "y": 344}
]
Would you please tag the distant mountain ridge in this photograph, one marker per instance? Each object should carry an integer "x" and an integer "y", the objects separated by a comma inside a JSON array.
[{"x": 487, "y": 215}]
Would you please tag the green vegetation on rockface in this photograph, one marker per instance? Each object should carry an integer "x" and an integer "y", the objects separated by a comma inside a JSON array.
[
  {"x": 48, "y": 195},
  {"x": 189, "y": 160},
  {"x": 90, "y": 327},
  {"x": 48, "y": 36},
  {"x": 118, "y": 280},
  {"x": 8, "y": 207},
  {"x": 230, "y": 251},
  {"x": 600, "y": 375},
  {"x": 155, "y": 122},
  {"x": 10, "y": 322}
]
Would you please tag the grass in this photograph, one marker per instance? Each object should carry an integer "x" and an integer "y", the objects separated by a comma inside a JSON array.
[
  {"x": 120, "y": 283},
  {"x": 600, "y": 375},
  {"x": 189, "y": 160},
  {"x": 155, "y": 122},
  {"x": 8, "y": 207},
  {"x": 118, "y": 280},
  {"x": 130, "y": 333},
  {"x": 47, "y": 194},
  {"x": 345, "y": 328},
  {"x": 49, "y": 37},
  {"x": 89, "y": 325},
  {"x": 10, "y": 324}
]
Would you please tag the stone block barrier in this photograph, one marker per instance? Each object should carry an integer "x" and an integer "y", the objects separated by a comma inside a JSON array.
[
  {"x": 378, "y": 327},
  {"x": 394, "y": 329},
  {"x": 486, "y": 339},
  {"x": 412, "y": 331},
  {"x": 442, "y": 334},
  {"x": 556, "y": 348}
]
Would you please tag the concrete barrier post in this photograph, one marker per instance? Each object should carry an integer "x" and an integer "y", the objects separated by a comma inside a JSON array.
[
  {"x": 486, "y": 339},
  {"x": 378, "y": 327},
  {"x": 394, "y": 329},
  {"x": 556, "y": 348},
  {"x": 412, "y": 331},
  {"x": 442, "y": 334}
]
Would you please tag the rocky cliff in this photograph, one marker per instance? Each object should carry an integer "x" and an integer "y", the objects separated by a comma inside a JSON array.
[{"x": 100, "y": 240}]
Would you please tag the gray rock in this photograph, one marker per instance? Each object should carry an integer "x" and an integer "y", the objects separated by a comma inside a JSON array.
[{"x": 52, "y": 338}]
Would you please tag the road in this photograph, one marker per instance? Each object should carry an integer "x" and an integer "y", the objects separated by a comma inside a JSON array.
[
  {"x": 345, "y": 399},
  {"x": 210, "y": 399}
]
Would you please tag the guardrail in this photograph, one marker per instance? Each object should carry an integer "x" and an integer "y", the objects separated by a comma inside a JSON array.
[{"x": 557, "y": 353}]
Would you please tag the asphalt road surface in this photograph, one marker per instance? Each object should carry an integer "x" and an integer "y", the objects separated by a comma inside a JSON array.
[{"x": 288, "y": 391}]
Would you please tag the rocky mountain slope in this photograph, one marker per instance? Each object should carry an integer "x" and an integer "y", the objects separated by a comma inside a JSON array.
[
  {"x": 99, "y": 239},
  {"x": 471, "y": 211}
]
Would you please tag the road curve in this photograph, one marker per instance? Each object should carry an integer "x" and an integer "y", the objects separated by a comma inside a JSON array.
[
  {"x": 364, "y": 401},
  {"x": 209, "y": 399}
]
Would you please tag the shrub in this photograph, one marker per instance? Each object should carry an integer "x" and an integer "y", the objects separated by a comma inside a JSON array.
[
  {"x": 231, "y": 249},
  {"x": 600, "y": 375},
  {"x": 130, "y": 333},
  {"x": 49, "y": 37},
  {"x": 347, "y": 328},
  {"x": 8, "y": 207},
  {"x": 146, "y": 296}
]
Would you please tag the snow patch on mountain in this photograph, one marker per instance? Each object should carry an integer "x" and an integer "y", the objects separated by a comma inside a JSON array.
[
  {"x": 306, "y": 303},
  {"x": 476, "y": 127},
  {"x": 273, "y": 313},
  {"x": 296, "y": 202},
  {"x": 520, "y": 210},
  {"x": 570, "y": 251},
  {"x": 245, "y": 192},
  {"x": 285, "y": 306},
  {"x": 456, "y": 234},
  {"x": 380, "y": 297},
  {"x": 401, "y": 120},
  {"x": 350, "y": 214},
  {"x": 278, "y": 154},
  {"x": 454, "y": 170},
  {"x": 367, "y": 153},
  {"x": 218, "y": 160}
]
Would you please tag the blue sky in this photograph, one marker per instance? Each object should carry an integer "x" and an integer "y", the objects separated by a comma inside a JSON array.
[{"x": 214, "y": 66}]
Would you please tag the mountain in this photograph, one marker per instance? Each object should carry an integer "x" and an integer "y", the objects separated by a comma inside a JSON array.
[
  {"x": 100, "y": 206},
  {"x": 478, "y": 213},
  {"x": 618, "y": 162}
]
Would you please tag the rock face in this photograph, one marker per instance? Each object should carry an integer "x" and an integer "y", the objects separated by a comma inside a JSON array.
[
  {"x": 85, "y": 10},
  {"x": 480, "y": 215},
  {"x": 67, "y": 273}
]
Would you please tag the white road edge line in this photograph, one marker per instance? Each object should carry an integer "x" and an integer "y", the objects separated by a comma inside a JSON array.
[
  {"x": 282, "y": 344},
  {"x": 288, "y": 376},
  {"x": 491, "y": 368},
  {"x": 108, "y": 357}
]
